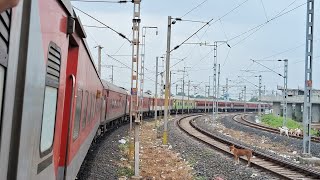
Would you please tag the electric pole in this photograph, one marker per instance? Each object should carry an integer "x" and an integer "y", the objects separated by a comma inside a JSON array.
[
  {"x": 226, "y": 94},
  {"x": 155, "y": 94},
  {"x": 244, "y": 98},
  {"x": 112, "y": 74},
  {"x": 285, "y": 93},
  {"x": 99, "y": 59},
  {"x": 218, "y": 89},
  {"x": 134, "y": 83},
  {"x": 307, "y": 118},
  {"x": 259, "y": 105},
  {"x": 165, "y": 135},
  {"x": 188, "y": 94}
]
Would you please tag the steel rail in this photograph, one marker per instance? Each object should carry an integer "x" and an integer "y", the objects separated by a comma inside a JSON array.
[{"x": 280, "y": 167}]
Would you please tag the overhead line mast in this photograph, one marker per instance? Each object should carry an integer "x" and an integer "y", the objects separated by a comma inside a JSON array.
[{"x": 134, "y": 107}]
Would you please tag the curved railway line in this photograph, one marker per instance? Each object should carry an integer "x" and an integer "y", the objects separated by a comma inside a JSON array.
[
  {"x": 246, "y": 122},
  {"x": 282, "y": 168}
]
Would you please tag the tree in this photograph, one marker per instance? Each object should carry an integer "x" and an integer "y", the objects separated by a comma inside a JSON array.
[
  {"x": 181, "y": 94},
  {"x": 253, "y": 99}
]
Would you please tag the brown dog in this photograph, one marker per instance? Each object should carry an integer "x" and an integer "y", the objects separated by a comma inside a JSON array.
[{"x": 240, "y": 152}]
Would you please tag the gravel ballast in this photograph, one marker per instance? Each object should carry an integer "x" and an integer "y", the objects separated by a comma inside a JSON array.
[
  {"x": 103, "y": 156},
  {"x": 292, "y": 144},
  {"x": 209, "y": 163}
]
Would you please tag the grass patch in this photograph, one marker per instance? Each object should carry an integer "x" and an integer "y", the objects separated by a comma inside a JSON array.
[
  {"x": 275, "y": 121},
  {"x": 200, "y": 178},
  {"x": 125, "y": 171},
  {"x": 124, "y": 148}
]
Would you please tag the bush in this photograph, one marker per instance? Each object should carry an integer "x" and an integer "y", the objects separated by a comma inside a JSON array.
[{"x": 275, "y": 121}]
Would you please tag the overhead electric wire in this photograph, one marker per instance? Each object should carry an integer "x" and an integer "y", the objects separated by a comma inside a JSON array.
[
  {"x": 120, "y": 34},
  {"x": 264, "y": 23},
  {"x": 100, "y": 1},
  {"x": 264, "y": 9},
  {"x": 194, "y": 8},
  {"x": 208, "y": 23}
]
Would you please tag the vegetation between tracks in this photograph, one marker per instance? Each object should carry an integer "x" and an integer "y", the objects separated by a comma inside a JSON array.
[{"x": 276, "y": 121}]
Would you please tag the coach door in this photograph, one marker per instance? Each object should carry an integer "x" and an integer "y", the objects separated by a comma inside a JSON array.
[{"x": 69, "y": 109}]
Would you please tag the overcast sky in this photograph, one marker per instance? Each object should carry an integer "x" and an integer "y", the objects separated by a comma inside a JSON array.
[{"x": 280, "y": 38}]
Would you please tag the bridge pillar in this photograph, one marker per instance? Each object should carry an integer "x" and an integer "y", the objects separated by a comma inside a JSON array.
[
  {"x": 315, "y": 113},
  {"x": 289, "y": 110},
  {"x": 297, "y": 112},
  {"x": 276, "y": 108}
]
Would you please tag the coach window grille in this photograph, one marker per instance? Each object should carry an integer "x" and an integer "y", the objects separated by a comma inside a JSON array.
[
  {"x": 76, "y": 125},
  {"x": 50, "y": 98},
  {"x": 85, "y": 105},
  {"x": 89, "y": 107}
]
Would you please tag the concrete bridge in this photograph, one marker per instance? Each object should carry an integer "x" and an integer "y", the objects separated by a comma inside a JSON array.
[{"x": 295, "y": 106}]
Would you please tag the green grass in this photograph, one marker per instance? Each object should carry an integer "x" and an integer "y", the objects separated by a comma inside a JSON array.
[
  {"x": 275, "y": 121},
  {"x": 199, "y": 178},
  {"x": 125, "y": 171}
]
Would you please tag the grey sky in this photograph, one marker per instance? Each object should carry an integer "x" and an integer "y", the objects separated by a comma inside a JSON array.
[{"x": 284, "y": 33}]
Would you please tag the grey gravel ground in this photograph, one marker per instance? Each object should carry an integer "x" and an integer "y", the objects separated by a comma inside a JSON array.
[
  {"x": 292, "y": 143},
  {"x": 100, "y": 162},
  {"x": 209, "y": 163}
]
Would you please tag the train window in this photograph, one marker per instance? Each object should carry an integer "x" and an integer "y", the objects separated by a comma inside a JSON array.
[
  {"x": 48, "y": 118},
  {"x": 50, "y": 99},
  {"x": 76, "y": 125},
  {"x": 85, "y": 105},
  {"x": 89, "y": 107},
  {"x": 92, "y": 105}
]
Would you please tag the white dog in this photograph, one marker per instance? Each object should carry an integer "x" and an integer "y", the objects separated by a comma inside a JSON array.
[
  {"x": 297, "y": 132},
  {"x": 284, "y": 130},
  {"x": 291, "y": 132}
]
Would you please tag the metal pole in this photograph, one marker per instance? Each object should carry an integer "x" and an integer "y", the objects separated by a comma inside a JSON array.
[
  {"x": 188, "y": 94},
  {"x": 176, "y": 89},
  {"x": 285, "y": 93},
  {"x": 307, "y": 118},
  {"x": 244, "y": 98},
  {"x": 184, "y": 70},
  {"x": 165, "y": 135},
  {"x": 218, "y": 88},
  {"x": 226, "y": 93},
  {"x": 134, "y": 83},
  {"x": 155, "y": 94},
  {"x": 99, "y": 59},
  {"x": 205, "y": 100},
  {"x": 215, "y": 46},
  {"x": 259, "y": 105},
  {"x": 112, "y": 74}
]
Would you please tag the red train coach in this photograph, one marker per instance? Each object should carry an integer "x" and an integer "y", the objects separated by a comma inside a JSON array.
[
  {"x": 52, "y": 94},
  {"x": 116, "y": 105}
]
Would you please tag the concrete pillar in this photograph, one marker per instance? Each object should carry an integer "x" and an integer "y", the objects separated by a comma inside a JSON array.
[
  {"x": 289, "y": 110},
  {"x": 315, "y": 113},
  {"x": 276, "y": 108},
  {"x": 297, "y": 112}
]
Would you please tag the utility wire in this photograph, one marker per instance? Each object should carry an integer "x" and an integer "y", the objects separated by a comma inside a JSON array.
[
  {"x": 194, "y": 8},
  {"x": 264, "y": 9},
  {"x": 100, "y": 1},
  {"x": 266, "y": 22},
  {"x": 267, "y": 68},
  {"x": 208, "y": 23},
  {"x": 120, "y": 34}
]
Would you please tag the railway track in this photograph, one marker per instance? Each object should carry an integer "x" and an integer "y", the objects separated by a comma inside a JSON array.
[
  {"x": 282, "y": 168},
  {"x": 244, "y": 121}
]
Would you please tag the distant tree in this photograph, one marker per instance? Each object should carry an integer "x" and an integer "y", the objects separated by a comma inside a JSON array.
[
  {"x": 148, "y": 92},
  {"x": 181, "y": 94},
  {"x": 253, "y": 99}
]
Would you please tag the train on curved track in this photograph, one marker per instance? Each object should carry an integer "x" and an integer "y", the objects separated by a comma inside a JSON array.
[{"x": 53, "y": 102}]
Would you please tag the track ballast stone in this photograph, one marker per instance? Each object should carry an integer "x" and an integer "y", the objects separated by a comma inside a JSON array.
[
  {"x": 209, "y": 163},
  {"x": 293, "y": 144},
  {"x": 103, "y": 156}
]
